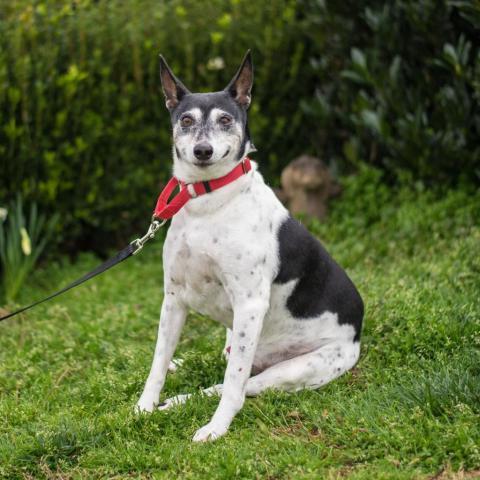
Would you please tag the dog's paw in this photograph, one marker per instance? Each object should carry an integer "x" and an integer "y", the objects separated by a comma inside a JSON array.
[
  {"x": 209, "y": 432},
  {"x": 146, "y": 404},
  {"x": 173, "y": 401},
  {"x": 174, "y": 364}
]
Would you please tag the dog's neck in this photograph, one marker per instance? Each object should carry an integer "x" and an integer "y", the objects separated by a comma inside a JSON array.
[{"x": 220, "y": 198}]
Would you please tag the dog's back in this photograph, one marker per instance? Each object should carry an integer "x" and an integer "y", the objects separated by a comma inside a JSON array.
[{"x": 322, "y": 285}]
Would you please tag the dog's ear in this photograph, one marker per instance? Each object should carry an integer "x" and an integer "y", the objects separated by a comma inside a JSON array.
[
  {"x": 240, "y": 87},
  {"x": 173, "y": 89}
]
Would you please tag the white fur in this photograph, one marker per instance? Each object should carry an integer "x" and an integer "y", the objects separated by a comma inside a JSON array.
[
  {"x": 221, "y": 258},
  {"x": 222, "y": 141}
]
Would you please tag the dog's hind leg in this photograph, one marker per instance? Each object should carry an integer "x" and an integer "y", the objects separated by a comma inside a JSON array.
[
  {"x": 311, "y": 370},
  {"x": 181, "y": 399},
  {"x": 174, "y": 365}
]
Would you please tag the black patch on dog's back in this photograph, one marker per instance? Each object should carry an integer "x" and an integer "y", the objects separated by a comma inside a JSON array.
[{"x": 322, "y": 283}]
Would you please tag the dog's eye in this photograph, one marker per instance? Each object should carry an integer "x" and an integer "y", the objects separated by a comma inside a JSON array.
[
  {"x": 186, "y": 121},
  {"x": 225, "y": 120}
]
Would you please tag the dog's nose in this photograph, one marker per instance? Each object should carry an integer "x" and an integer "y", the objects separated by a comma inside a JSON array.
[{"x": 203, "y": 151}]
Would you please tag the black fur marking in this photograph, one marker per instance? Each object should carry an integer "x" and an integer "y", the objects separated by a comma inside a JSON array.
[
  {"x": 241, "y": 150},
  {"x": 208, "y": 101},
  {"x": 323, "y": 285}
]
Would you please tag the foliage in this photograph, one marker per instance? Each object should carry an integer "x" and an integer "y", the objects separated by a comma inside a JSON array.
[
  {"x": 71, "y": 370},
  {"x": 22, "y": 241},
  {"x": 399, "y": 87},
  {"x": 84, "y": 130}
]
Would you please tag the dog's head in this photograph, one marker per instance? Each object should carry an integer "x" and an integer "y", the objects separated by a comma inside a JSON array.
[{"x": 210, "y": 130}]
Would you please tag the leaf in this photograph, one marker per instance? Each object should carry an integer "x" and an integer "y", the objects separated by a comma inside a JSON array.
[
  {"x": 372, "y": 120},
  {"x": 394, "y": 69},
  {"x": 358, "y": 58},
  {"x": 26, "y": 244},
  {"x": 354, "y": 76}
]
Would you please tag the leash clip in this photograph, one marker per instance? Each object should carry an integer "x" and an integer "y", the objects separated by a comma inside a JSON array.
[{"x": 152, "y": 230}]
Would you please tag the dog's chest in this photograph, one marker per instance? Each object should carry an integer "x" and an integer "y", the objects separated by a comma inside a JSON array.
[
  {"x": 211, "y": 256},
  {"x": 194, "y": 269}
]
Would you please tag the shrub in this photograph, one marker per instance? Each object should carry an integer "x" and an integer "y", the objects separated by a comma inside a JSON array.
[
  {"x": 399, "y": 87},
  {"x": 84, "y": 131},
  {"x": 22, "y": 241}
]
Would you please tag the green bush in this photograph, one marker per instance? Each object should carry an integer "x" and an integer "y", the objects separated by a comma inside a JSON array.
[
  {"x": 84, "y": 131},
  {"x": 399, "y": 87}
]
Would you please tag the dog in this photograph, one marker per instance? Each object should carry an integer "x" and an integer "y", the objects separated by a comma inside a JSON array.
[{"x": 293, "y": 316}]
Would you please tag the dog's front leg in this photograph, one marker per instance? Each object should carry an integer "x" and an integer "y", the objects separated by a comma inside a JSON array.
[
  {"x": 228, "y": 344},
  {"x": 247, "y": 326},
  {"x": 172, "y": 319}
]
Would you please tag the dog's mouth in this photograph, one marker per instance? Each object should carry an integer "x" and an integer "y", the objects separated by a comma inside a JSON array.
[
  {"x": 207, "y": 163},
  {"x": 203, "y": 163}
]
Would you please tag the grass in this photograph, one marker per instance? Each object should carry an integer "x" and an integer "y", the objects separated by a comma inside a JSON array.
[{"x": 70, "y": 371}]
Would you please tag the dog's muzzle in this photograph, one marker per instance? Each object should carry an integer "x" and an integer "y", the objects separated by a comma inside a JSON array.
[{"x": 203, "y": 151}]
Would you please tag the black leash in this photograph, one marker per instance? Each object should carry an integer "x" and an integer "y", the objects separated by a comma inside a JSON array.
[
  {"x": 127, "y": 252},
  {"x": 164, "y": 210}
]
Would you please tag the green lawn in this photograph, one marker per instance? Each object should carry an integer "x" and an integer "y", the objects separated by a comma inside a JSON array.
[{"x": 71, "y": 371}]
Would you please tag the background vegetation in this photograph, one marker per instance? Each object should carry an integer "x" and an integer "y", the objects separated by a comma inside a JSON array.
[{"x": 84, "y": 131}]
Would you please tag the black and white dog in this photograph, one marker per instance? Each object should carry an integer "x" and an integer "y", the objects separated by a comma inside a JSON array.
[{"x": 293, "y": 316}]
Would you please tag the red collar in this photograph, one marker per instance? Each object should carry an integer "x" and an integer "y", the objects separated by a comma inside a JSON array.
[{"x": 165, "y": 210}]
